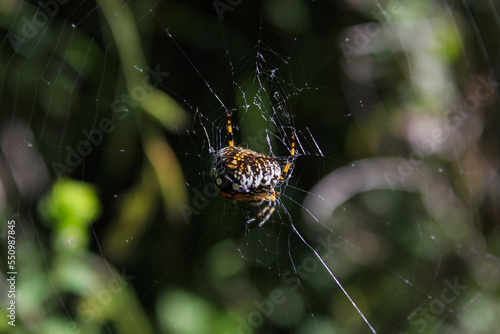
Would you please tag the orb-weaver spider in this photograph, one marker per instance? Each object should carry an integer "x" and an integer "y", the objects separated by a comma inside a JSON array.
[{"x": 245, "y": 175}]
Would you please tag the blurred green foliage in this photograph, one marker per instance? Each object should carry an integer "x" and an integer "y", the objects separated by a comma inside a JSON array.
[
  {"x": 140, "y": 245},
  {"x": 69, "y": 210}
]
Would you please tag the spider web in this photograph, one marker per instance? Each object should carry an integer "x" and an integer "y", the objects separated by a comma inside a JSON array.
[{"x": 388, "y": 222}]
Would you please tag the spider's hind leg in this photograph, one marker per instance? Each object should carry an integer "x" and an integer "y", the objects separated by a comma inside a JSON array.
[{"x": 268, "y": 210}]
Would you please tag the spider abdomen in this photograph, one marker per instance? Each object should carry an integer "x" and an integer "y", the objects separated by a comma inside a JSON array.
[{"x": 244, "y": 174}]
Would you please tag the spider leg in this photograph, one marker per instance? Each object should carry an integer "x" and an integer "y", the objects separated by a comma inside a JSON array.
[
  {"x": 285, "y": 174},
  {"x": 269, "y": 208},
  {"x": 270, "y": 199},
  {"x": 258, "y": 202}
]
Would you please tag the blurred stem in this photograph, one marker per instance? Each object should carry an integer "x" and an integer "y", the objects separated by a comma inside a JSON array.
[
  {"x": 157, "y": 104},
  {"x": 168, "y": 172},
  {"x": 126, "y": 38},
  {"x": 134, "y": 67}
]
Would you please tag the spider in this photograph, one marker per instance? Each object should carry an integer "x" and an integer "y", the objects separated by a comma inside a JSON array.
[{"x": 245, "y": 175}]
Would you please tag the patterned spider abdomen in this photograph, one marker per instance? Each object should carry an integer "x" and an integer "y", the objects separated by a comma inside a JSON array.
[{"x": 243, "y": 174}]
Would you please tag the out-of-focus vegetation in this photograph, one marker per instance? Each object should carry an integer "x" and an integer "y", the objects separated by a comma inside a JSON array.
[{"x": 104, "y": 162}]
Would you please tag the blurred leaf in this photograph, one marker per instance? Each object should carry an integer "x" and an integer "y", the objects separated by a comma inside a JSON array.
[
  {"x": 165, "y": 110},
  {"x": 70, "y": 203},
  {"x": 168, "y": 172},
  {"x": 69, "y": 209},
  {"x": 137, "y": 207},
  {"x": 186, "y": 313}
]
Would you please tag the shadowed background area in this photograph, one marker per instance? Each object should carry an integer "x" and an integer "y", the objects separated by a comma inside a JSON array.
[{"x": 109, "y": 113}]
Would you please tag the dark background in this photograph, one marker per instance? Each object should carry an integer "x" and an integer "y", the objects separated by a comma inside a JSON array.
[{"x": 396, "y": 166}]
